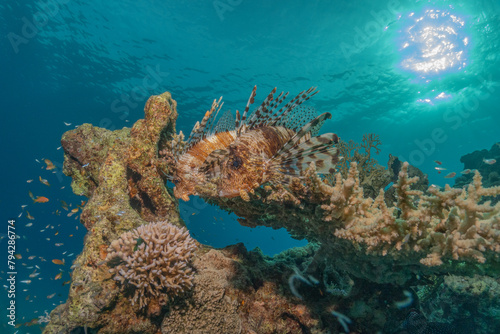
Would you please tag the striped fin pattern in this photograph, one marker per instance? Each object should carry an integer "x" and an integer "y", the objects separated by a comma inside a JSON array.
[
  {"x": 200, "y": 130},
  {"x": 302, "y": 132},
  {"x": 296, "y": 101},
  {"x": 241, "y": 122},
  {"x": 319, "y": 150},
  {"x": 267, "y": 114},
  {"x": 261, "y": 114}
]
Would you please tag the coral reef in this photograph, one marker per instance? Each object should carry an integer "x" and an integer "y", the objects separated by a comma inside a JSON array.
[
  {"x": 366, "y": 245},
  {"x": 154, "y": 258},
  {"x": 472, "y": 303},
  {"x": 422, "y": 233},
  {"x": 489, "y": 172},
  {"x": 372, "y": 176},
  {"x": 105, "y": 167}
]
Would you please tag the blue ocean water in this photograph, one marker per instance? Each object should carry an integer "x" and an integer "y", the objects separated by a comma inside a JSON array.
[{"x": 423, "y": 75}]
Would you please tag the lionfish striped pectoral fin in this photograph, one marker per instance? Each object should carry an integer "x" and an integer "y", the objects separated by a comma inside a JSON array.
[
  {"x": 305, "y": 130},
  {"x": 320, "y": 150}
]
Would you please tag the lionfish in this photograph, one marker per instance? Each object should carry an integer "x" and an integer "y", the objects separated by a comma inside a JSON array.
[{"x": 238, "y": 155}]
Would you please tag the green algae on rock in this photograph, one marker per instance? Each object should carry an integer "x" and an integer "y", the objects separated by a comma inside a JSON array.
[{"x": 102, "y": 164}]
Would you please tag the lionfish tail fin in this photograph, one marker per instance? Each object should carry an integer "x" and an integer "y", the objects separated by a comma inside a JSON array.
[{"x": 320, "y": 150}]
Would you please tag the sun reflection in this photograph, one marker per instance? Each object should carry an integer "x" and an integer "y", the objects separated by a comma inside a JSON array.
[{"x": 434, "y": 42}]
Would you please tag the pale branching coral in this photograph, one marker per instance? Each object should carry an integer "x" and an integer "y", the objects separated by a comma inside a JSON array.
[
  {"x": 153, "y": 258},
  {"x": 445, "y": 224}
]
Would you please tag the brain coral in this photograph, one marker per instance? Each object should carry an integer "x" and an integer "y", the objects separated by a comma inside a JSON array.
[{"x": 154, "y": 258}]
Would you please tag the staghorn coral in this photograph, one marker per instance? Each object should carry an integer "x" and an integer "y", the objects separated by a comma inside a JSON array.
[
  {"x": 445, "y": 224},
  {"x": 154, "y": 258}
]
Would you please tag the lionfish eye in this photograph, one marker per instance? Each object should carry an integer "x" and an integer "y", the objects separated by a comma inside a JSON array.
[{"x": 236, "y": 163}]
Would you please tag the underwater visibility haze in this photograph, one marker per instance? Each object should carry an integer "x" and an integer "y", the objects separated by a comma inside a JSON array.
[{"x": 234, "y": 166}]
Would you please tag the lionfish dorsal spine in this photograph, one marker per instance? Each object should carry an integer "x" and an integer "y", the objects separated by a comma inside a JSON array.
[
  {"x": 237, "y": 121},
  {"x": 271, "y": 116},
  {"x": 212, "y": 124},
  {"x": 262, "y": 112},
  {"x": 242, "y": 121},
  {"x": 293, "y": 103},
  {"x": 198, "y": 133}
]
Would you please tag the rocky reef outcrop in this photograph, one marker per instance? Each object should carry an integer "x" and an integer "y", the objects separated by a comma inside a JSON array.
[{"x": 369, "y": 249}]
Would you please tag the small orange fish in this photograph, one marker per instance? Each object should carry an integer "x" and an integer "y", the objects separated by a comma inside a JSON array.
[
  {"x": 18, "y": 256},
  {"x": 74, "y": 210},
  {"x": 29, "y": 181},
  {"x": 44, "y": 181},
  {"x": 451, "y": 175},
  {"x": 467, "y": 171},
  {"x": 49, "y": 164},
  {"x": 438, "y": 162},
  {"x": 40, "y": 199},
  {"x": 58, "y": 276},
  {"x": 66, "y": 282},
  {"x": 56, "y": 261},
  {"x": 489, "y": 161},
  {"x": 70, "y": 235},
  {"x": 51, "y": 296}
]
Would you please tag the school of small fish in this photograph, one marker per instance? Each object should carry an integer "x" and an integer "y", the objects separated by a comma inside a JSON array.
[{"x": 32, "y": 268}]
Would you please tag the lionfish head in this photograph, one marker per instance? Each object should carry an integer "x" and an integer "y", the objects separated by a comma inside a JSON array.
[{"x": 235, "y": 175}]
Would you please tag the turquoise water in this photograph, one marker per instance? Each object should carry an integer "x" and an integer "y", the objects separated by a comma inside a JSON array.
[{"x": 423, "y": 75}]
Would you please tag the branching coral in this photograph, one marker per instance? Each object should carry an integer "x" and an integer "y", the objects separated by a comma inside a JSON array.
[
  {"x": 154, "y": 258},
  {"x": 445, "y": 224},
  {"x": 361, "y": 153},
  {"x": 372, "y": 176}
]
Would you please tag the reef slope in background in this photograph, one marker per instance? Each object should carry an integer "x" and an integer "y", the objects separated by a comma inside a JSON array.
[{"x": 366, "y": 254}]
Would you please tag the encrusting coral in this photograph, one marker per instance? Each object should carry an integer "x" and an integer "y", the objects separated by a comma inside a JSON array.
[{"x": 154, "y": 258}]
